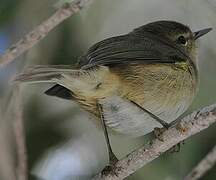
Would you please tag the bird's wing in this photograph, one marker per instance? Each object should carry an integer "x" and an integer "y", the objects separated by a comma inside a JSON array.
[{"x": 132, "y": 48}]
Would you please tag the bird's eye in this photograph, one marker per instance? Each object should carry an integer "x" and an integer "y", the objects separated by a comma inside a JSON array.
[{"x": 182, "y": 40}]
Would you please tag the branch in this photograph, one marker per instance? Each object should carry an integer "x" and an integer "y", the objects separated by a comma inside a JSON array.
[
  {"x": 206, "y": 164},
  {"x": 190, "y": 125},
  {"x": 21, "y": 170},
  {"x": 41, "y": 31}
]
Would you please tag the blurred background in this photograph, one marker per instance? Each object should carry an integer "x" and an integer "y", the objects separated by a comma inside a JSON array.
[{"x": 62, "y": 141}]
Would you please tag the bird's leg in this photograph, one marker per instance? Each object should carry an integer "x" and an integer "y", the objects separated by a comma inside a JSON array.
[
  {"x": 157, "y": 131},
  {"x": 112, "y": 158},
  {"x": 162, "y": 122}
]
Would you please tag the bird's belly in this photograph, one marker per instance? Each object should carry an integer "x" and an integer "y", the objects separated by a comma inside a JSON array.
[
  {"x": 165, "y": 95},
  {"x": 124, "y": 117}
]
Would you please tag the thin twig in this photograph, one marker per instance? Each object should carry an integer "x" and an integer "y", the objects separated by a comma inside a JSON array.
[
  {"x": 41, "y": 31},
  {"x": 189, "y": 126},
  {"x": 21, "y": 169},
  {"x": 206, "y": 164},
  {"x": 7, "y": 170}
]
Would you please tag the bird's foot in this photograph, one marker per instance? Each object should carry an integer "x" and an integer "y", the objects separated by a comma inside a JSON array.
[
  {"x": 111, "y": 167},
  {"x": 158, "y": 133}
]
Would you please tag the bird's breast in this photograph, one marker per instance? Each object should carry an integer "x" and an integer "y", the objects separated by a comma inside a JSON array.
[{"x": 165, "y": 90}]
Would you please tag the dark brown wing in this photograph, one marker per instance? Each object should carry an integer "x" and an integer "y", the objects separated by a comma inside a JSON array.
[{"x": 133, "y": 48}]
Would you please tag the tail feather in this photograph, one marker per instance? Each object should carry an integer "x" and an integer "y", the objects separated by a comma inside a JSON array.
[
  {"x": 45, "y": 73},
  {"x": 59, "y": 91},
  {"x": 37, "y": 78},
  {"x": 45, "y": 68},
  {"x": 70, "y": 82}
]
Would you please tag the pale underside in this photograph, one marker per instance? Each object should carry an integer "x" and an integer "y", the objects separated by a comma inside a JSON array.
[
  {"x": 124, "y": 117},
  {"x": 164, "y": 90}
]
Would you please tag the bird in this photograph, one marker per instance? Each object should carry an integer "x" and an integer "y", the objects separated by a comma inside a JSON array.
[{"x": 133, "y": 82}]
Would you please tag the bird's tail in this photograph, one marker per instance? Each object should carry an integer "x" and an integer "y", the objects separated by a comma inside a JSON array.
[
  {"x": 68, "y": 80},
  {"x": 79, "y": 82},
  {"x": 46, "y": 73}
]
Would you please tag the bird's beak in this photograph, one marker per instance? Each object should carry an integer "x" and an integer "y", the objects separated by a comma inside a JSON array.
[{"x": 200, "y": 33}]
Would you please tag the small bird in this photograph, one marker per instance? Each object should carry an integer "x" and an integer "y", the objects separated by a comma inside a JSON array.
[{"x": 134, "y": 82}]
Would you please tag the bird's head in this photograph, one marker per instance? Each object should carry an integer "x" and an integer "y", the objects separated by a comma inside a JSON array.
[{"x": 177, "y": 34}]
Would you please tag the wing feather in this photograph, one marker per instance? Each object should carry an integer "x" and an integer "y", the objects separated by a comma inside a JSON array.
[{"x": 132, "y": 49}]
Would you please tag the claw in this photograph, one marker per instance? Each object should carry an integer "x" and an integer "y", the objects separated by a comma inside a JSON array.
[
  {"x": 112, "y": 166},
  {"x": 158, "y": 133}
]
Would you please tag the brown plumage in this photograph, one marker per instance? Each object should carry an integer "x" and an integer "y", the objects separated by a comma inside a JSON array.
[{"x": 154, "y": 66}]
